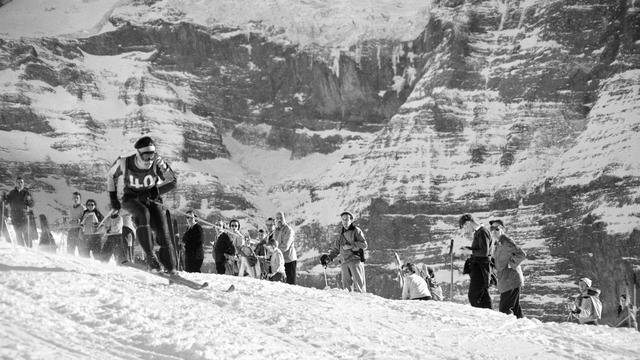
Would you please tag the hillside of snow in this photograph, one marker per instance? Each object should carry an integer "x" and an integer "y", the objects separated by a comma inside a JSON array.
[{"x": 72, "y": 308}]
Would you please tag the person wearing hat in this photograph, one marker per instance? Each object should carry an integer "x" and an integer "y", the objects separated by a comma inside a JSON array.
[
  {"x": 349, "y": 247},
  {"x": 587, "y": 307},
  {"x": 508, "y": 257},
  {"x": 479, "y": 263},
  {"x": 146, "y": 176}
]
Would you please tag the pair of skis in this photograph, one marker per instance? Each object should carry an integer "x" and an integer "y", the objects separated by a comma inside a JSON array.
[{"x": 172, "y": 278}]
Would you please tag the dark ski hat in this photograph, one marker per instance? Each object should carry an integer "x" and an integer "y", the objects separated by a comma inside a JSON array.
[
  {"x": 347, "y": 213},
  {"x": 496, "y": 222},
  {"x": 144, "y": 142}
]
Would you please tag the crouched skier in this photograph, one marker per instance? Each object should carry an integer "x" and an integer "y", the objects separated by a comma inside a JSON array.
[{"x": 146, "y": 176}]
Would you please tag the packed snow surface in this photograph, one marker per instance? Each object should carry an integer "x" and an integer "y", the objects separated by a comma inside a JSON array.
[{"x": 62, "y": 307}]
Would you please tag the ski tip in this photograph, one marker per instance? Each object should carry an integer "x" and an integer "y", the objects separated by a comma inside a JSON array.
[{"x": 231, "y": 288}]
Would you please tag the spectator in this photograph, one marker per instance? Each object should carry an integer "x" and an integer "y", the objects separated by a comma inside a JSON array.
[
  {"x": 286, "y": 238},
  {"x": 20, "y": 201},
  {"x": 626, "y": 313},
  {"x": 349, "y": 247},
  {"x": 241, "y": 245},
  {"x": 112, "y": 226},
  {"x": 277, "y": 262},
  {"x": 508, "y": 257},
  {"x": 75, "y": 217},
  {"x": 193, "y": 244},
  {"x": 223, "y": 250},
  {"x": 415, "y": 287},
  {"x": 479, "y": 264},
  {"x": 587, "y": 307},
  {"x": 261, "y": 253},
  {"x": 434, "y": 287},
  {"x": 91, "y": 218}
]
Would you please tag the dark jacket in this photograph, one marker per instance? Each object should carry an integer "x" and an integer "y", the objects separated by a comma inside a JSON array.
[
  {"x": 193, "y": 242},
  {"x": 19, "y": 201},
  {"x": 481, "y": 245},
  {"x": 222, "y": 246}
]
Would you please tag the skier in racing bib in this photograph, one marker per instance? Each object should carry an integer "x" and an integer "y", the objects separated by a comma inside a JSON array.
[{"x": 146, "y": 176}]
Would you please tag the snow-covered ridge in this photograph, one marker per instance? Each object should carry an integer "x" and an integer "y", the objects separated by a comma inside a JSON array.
[
  {"x": 339, "y": 23},
  {"x": 71, "y": 308}
]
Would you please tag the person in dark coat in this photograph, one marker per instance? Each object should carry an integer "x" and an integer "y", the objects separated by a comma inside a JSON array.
[
  {"x": 222, "y": 248},
  {"x": 480, "y": 265},
  {"x": 20, "y": 201},
  {"x": 193, "y": 247}
]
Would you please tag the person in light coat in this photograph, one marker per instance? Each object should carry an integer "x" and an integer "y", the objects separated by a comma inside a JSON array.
[
  {"x": 508, "y": 256},
  {"x": 277, "y": 262},
  {"x": 349, "y": 248},
  {"x": 415, "y": 287}
]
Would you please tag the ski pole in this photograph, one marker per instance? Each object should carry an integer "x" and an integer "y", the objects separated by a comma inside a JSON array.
[
  {"x": 324, "y": 269},
  {"x": 451, "y": 262},
  {"x": 2, "y": 219},
  {"x": 200, "y": 220}
]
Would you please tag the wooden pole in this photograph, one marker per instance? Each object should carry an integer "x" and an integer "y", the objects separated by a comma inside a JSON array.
[{"x": 451, "y": 264}]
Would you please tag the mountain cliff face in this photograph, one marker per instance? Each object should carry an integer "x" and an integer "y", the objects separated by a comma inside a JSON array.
[{"x": 527, "y": 111}]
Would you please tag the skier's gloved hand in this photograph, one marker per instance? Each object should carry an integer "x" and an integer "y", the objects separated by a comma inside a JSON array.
[
  {"x": 324, "y": 259},
  {"x": 153, "y": 193},
  {"x": 115, "y": 203}
]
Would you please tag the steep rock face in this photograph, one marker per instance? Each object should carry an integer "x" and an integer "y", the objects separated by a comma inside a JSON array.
[
  {"x": 515, "y": 105},
  {"x": 525, "y": 111}
]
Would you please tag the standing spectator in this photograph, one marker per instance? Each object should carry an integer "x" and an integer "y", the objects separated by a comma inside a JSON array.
[
  {"x": 91, "y": 242},
  {"x": 223, "y": 249},
  {"x": 261, "y": 252},
  {"x": 626, "y": 313},
  {"x": 587, "y": 307},
  {"x": 240, "y": 243},
  {"x": 20, "y": 201},
  {"x": 479, "y": 264},
  {"x": 285, "y": 236},
  {"x": 277, "y": 262},
  {"x": 508, "y": 257},
  {"x": 349, "y": 247},
  {"x": 113, "y": 238},
  {"x": 75, "y": 217},
  {"x": 193, "y": 244},
  {"x": 415, "y": 287}
]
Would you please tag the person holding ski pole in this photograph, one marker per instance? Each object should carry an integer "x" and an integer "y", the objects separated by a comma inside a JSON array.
[
  {"x": 480, "y": 266},
  {"x": 146, "y": 176},
  {"x": 350, "y": 247},
  {"x": 20, "y": 201}
]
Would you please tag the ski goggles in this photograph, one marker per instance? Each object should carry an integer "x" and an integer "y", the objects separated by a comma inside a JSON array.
[{"x": 147, "y": 155}]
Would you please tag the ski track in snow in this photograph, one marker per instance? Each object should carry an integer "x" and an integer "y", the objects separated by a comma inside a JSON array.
[{"x": 58, "y": 306}]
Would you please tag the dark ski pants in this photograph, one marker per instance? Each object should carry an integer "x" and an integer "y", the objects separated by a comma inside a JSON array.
[
  {"x": 510, "y": 302},
  {"x": 150, "y": 216},
  {"x": 221, "y": 266},
  {"x": 193, "y": 263},
  {"x": 290, "y": 271},
  {"x": 479, "y": 285}
]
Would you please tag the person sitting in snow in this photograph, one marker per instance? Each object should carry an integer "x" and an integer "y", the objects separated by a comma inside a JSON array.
[
  {"x": 277, "y": 261},
  {"x": 626, "y": 313},
  {"x": 415, "y": 287},
  {"x": 587, "y": 307}
]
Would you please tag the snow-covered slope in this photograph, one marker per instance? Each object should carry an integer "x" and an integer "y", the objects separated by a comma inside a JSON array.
[{"x": 71, "y": 308}]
